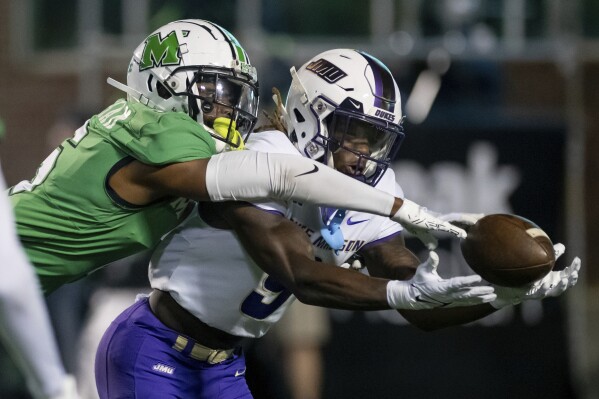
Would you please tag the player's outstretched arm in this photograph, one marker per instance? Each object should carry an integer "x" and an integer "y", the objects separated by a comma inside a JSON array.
[
  {"x": 283, "y": 250},
  {"x": 254, "y": 176}
]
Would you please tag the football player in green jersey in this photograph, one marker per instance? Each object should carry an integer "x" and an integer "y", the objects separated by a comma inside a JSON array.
[{"x": 128, "y": 174}]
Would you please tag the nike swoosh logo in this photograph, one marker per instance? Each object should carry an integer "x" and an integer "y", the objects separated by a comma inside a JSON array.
[
  {"x": 433, "y": 302},
  {"x": 239, "y": 372},
  {"x": 352, "y": 222},
  {"x": 429, "y": 299},
  {"x": 309, "y": 172},
  {"x": 419, "y": 299}
]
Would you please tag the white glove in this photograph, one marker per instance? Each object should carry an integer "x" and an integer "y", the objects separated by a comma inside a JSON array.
[
  {"x": 460, "y": 217},
  {"x": 419, "y": 222},
  {"x": 427, "y": 290},
  {"x": 553, "y": 284}
]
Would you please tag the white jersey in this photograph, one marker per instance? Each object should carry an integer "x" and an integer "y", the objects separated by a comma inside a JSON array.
[{"x": 208, "y": 273}]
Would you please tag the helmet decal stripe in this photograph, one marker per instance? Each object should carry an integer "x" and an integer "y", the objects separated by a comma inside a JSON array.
[
  {"x": 237, "y": 52},
  {"x": 241, "y": 54},
  {"x": 236, "y": 49},
  {"x": 207, "y": 30},
  {"x": 384, "y": 90}
]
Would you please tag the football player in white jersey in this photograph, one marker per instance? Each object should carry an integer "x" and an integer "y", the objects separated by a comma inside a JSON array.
[{"x": 231, "y": 272}]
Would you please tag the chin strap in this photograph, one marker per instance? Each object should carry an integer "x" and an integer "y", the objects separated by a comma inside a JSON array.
[{"x": 296, "y": 81}]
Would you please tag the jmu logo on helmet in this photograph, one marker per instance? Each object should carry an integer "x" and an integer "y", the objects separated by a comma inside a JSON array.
[
  {"x": 160, "y": 51},
  {"x": 326, "y": 70}
]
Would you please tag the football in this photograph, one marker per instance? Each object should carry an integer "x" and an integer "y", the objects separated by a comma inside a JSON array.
[{"x": 508, "y": 250}]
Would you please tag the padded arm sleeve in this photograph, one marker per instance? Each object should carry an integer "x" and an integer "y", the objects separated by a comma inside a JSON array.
[{"x": 255, "y": 176}]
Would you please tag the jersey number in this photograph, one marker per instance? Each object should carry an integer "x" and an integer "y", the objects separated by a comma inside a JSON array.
[
  {"x": 265, "y": 299},
  {"x": 48, "y": 164},
  {"x": 109, "y": 117}
]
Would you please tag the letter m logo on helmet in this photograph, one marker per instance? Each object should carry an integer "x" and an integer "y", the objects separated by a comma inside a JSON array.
[{"x": 160, "y": 52}]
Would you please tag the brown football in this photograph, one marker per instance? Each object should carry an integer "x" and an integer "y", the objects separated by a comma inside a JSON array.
[{"x": 508, "y": 250}]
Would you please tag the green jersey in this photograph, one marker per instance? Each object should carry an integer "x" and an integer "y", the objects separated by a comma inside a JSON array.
[{"x": 71, "y": 222}]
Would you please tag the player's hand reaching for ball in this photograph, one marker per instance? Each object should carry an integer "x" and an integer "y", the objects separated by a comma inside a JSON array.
[
  {"x": 420, "y": 223},
  {"x": 427, "y": 290},
  {"x": 461, "y": 218},
  {"x": 553, "y": 284}
]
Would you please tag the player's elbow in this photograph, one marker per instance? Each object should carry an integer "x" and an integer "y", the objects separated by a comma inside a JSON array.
[
  {"x": 303, "y": 288},
  {"x": 308, "y": 297},
  {"x": 303, "y": 297},
  {"x": 306, "y": 289}
]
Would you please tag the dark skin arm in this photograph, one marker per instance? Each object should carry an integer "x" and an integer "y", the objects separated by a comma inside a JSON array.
[
  {"x": 141, "y": 184},
  {"x": 391, "y": 259},
  {"x": 284, "y": 251}
]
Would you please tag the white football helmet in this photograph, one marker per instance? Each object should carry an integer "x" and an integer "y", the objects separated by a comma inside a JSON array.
[
  {"x": 345, "y": 94},
  {"x": 195, "y": 66}
]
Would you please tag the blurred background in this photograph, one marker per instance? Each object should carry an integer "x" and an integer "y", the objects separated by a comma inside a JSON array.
[{"x": 500, "y": 98}]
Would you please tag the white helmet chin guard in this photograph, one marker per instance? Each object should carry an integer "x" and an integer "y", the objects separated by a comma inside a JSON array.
[
  {"x": 196, "y": 67},
  {"x": 341, "y": 95}
]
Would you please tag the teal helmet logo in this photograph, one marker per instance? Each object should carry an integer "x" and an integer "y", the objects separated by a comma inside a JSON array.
[{"x": 159, "y": 52}]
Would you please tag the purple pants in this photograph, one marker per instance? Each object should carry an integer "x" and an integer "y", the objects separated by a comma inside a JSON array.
[{"x": 136, "y": 359}]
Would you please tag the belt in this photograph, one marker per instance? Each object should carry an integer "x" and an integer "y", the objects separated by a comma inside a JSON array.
[
  {"x": 192, "y": 330},
  {"x": 203, "y": 353}
]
